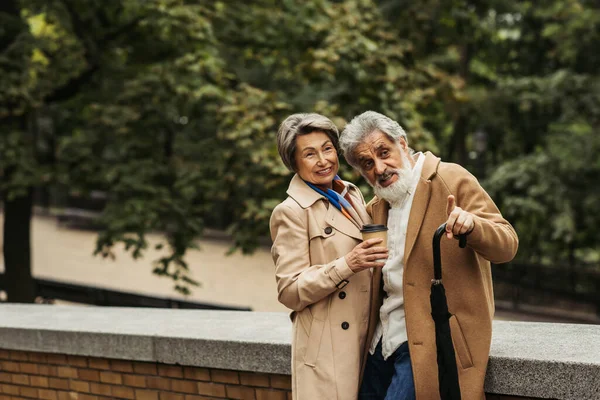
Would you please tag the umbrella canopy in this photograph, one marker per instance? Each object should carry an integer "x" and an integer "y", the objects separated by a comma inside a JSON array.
[{"x": 446, "y": 359}]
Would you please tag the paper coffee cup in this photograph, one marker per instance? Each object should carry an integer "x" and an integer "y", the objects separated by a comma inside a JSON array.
[{"x": 373, "y": 231}]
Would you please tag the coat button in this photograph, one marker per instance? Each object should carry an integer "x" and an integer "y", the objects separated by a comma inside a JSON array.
[
  {"x": 328, "y": 230},
  {"x": 342, "y": 295},
  {"x": 345, "y": 325}
]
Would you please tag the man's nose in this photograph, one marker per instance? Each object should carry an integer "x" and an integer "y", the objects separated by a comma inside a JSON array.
[{"x": 380, "y": 167}]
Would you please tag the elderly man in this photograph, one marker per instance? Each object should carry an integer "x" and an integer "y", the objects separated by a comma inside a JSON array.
[{"x": 415, "y": 194}]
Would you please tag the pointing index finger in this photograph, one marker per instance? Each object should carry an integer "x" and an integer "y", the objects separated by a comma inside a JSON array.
[{"x": 451, "y": 204}]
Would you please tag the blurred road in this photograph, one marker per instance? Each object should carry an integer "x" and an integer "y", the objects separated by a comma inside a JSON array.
[{"x": 65, "y": 254}]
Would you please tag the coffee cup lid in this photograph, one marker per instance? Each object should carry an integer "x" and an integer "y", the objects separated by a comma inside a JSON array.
[{"x": 373, "y": 228}]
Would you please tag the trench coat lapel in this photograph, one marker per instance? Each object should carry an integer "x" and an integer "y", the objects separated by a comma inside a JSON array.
[
  {"x": 417, "y": 213},
  {"x": 305, "y": 196},
  {"x": 420, "y": 203},
  {"x": 379, "y": 212},
  {"x": 341, "y": 223}
]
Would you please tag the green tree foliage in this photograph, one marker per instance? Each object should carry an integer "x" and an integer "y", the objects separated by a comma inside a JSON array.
[{"x": 171, "y": 107}]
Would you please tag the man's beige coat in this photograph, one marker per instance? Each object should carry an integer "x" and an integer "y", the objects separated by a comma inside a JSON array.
[
  {"x": 466, "y": 275},
  {"x": 330, "y": 320}
]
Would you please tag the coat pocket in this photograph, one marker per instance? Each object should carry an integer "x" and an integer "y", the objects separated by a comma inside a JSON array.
[
  {"x": 460, "y": 344},
  {"x": 314, "y": 329}
]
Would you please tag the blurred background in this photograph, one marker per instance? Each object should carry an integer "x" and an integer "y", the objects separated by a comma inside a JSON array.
[{"x": 137, "y": 138}]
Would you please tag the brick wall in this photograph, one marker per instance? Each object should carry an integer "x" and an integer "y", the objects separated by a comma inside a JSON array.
[{"x": 29, "y": 375}]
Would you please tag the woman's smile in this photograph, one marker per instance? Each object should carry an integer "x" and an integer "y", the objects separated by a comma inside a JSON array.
[{"x": 324, "y": 172}]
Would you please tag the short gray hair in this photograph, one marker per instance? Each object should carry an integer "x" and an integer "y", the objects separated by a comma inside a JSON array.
[
  {"x": 362, "y": 126},
  {"x": 302, "y": 124}
]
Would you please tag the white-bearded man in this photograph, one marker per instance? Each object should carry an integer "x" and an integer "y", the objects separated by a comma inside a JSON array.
[{"x": 415, "y": 194}]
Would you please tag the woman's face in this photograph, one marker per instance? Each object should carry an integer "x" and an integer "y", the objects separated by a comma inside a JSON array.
[{"x": 316, "y": 158}]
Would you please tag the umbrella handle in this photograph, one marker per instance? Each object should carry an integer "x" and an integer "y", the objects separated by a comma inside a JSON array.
[{"x": 437, "y": 257}]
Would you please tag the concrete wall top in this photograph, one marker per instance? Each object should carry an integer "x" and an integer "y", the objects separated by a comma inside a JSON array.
[{"x": 542, "y": 360}]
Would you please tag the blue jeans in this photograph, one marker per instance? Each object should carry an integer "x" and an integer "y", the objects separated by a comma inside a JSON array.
[{"x": 389, "y": 379}]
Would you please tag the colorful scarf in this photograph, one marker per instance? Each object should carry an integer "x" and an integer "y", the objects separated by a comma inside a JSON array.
[{"x": 341, "y": 201}]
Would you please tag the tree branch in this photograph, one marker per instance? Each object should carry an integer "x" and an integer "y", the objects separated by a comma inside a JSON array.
[{"x": 72, "y": 87}]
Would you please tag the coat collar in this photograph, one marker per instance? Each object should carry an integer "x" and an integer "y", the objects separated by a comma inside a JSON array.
[
  {"x": 380, "y": 207},
  {"x": 305, "y": 196}
]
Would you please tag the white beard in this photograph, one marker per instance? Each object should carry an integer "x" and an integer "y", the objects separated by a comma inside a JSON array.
[{"x": 397, "y": 192}]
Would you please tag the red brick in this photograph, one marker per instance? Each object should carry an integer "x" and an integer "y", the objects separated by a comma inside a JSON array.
[
  {"x": 56, "y": 383},
  {"x": 86, "y": 397},
  {"x": 57, "y": 359},
  {"x": 289, "y": 396},
  {"x": 145, "y": 368},
  {"x": 194, "y": 397},
  {"x": 121, "y": 366},
  {"x": 111, "y": 377},
  {"x": 28, "y": 392},
  {"x": 79, "y": 386},
  {"x": 157, "y": 382},
  {"x": 267, "y": 394},
  {"x": 123, "y": 392},
  {"x": 172, "y": 371},
  {"x": 134, "y": 380},
  {"x": 4, "y": 377},
  {"x": 99, "y": 388},
  {"x": 9, "y": 366},
  {"x": 224, "y": 376},
  {"x": 211, "y": 389},
  {"x": 281, "y": 382},
  {"x": 38, "y": 358},
  {"x": 29, "y": 368},
  {"x": 199, "y": 374},
  {"x": 4, "y": 354},
  {"x": 20, "y": 379},
  {"x": 65, "y": 395},
  {"x": 240, "y": 392},
  {"x": 47, "y": 394},
  {"x": 171, "y": 396},
  {"x": 47, "y": 370},
  {"x": 98, "y": 363},
  {"x": 77, "y": 361},
  {"x": 89, "y": 375},
  {"x": 10, "y": 389},
  {"x": 67, "y": 372},
  {"x": 38, "y": 381},
  {"x": 184, "y": 386},
  {"x": 254, "y": 379},
  {"x": 18, "y": 356},
  {"x": 146, "y": 394}
]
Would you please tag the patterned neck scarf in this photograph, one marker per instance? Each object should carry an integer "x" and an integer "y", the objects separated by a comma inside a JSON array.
[{"x": 340, "y": 198}]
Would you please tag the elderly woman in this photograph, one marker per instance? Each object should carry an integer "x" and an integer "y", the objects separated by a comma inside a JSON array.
[{"x": 322, "y": 267}]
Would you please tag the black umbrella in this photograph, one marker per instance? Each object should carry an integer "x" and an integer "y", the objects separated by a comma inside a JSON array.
[{"x": 446, "y": 360}]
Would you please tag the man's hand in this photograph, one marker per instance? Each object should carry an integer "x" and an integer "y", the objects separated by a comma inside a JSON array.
[{"x": 459, "y": 221}]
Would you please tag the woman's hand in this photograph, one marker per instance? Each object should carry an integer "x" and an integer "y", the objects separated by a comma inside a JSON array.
[{"x": 364, "y": 256}]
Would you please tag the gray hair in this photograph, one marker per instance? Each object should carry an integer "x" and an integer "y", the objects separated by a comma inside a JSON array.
[
  {"x": 362, "y": 126},
  {"x": 302, "y": 124}
]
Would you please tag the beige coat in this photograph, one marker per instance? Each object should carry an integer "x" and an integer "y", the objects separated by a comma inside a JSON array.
[
  {"x": 330, "y": 320},
  {"x": 466, "y": 276}
]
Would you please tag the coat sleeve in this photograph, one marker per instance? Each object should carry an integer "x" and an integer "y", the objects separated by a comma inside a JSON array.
[
  {"x": 299, "y": 283},
  {"x": 493, "y": 236}
]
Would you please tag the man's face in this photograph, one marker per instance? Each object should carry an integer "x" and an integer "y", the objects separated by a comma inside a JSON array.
[{"x": 381, "y": 160}]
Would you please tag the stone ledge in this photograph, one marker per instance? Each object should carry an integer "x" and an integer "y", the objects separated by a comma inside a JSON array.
[{"x": 541, "y": 360}]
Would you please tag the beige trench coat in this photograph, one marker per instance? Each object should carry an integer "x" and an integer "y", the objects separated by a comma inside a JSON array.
[
  {"x": 466, "y": 276},
  {"x": 330, "y": 303}
]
